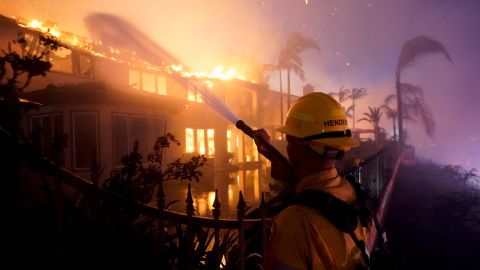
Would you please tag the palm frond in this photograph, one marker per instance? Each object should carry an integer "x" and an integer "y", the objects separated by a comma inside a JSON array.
[
  {"x": 364, "y": 119},
  {"x": 390, "y": 98},
  {"x": 416, "y": 47}
]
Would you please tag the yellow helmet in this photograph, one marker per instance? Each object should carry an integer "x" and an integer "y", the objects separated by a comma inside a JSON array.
[{"x": 319, "y": 119}]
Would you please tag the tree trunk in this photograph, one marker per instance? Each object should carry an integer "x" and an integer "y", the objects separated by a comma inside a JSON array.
[
  {"x": 399, "y": 111},
  {"x": 394, "y": 130}
]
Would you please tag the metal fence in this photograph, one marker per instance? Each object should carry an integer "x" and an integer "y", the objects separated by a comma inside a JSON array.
[{"x": 248, "y": 237}]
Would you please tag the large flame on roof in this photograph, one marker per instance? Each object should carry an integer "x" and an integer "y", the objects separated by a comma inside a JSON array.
[
  {"x": 125, "y": 56},
  {"x": 219, "y": 72}
]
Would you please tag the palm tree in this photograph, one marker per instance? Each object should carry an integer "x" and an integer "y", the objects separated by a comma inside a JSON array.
[
  {"x": 289, "y": 58},
  {"x": 416, "y": 107},
  {"x": 391, "y": 113},
  {"x": 356, "y": 94},
  {"x": 342, "y": 94},
  {"x": 373, "y": 117},
  {"x": 411, "y": 50}
]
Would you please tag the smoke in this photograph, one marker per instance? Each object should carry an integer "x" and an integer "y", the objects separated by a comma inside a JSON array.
[
  {"x": 359, "y": 41},
  {"x": 116, "y": 32}
]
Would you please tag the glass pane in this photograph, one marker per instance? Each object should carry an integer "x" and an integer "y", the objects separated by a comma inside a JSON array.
[
  {"x": 211, "y": 142},
  {"x": 61, "y": 60},
  {"x": 191, "y": 92},
  {"x": 158, "y": 128},
  {"x": 139, "y": 132},
  {"x": 201, "y": 141},
  {"x": 189, "y": 140},
  {"x": 148, "y": 82},
  {"x": 134, "y": 79},
  {"x": 85, "y": 139},
  {"x": 85, "y": 65},
  {"x": 229, "y": 141},
  {"x": 161, "y": 85},
  {"x": 120, "y": 138}
]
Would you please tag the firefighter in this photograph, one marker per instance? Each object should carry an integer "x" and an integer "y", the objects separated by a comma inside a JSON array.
[{"x": 303, "y": 238}]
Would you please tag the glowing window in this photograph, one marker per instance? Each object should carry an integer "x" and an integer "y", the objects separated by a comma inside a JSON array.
[
  {"x": 201, "y": 141},
  {"x": 191, "y": 92},
  {"x": 211, "y": 142},
  {"x": 134, "y": 79},
  {"x": 255, "y": 151},
  {"x": 161, "y": 85},
  {"x": 85, "y": 65},
  {"x": 189, "y": 140},
  {"x": 240, "y": 148},
  {"x": 61, "y": 60},
  {"x": 148, "y": 82},
  {"x": 199, "y": 97},
  {"x": 229, "y": 141},
  {"x": 194, "y": 94}
]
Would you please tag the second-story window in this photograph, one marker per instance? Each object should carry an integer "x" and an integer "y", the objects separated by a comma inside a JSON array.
[
  {"x": 194, "y": 94},
  {"x": 147, "y": 82},
  {"x": 61, "y": 60},
  {"x": 84, "y": 66}
]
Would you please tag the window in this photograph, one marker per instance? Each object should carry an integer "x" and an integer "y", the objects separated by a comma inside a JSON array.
[
  {"x": 211, "y": 142},
  {"x": 193, "y": 93},
  {"x": 46, "y": 131},
  {"x": 229, "y": 141},
  {"x": 161, "y": 85},
  {"x": 134, "y": 79},
  {"x": 189, "y": 140},
  {"x": 200, "y": 140},
  {"x": 139, "y": 132},
  {"x": 85, "y": 140},
  {"x": 158, "y": 128},
  {"x": 85, "y": 65},
  {"x": 148, "y": 82},
  {"x": 130, "y": 128},
  {"x": 120, "y": 138},
  {"x": 61, "y": 60}
]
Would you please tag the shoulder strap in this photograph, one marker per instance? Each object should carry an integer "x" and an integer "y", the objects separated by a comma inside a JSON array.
[{"x": 342, "y": 215}]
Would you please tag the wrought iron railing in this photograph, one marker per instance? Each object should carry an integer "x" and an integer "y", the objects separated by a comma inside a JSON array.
[{"x": 373, "y": 172}]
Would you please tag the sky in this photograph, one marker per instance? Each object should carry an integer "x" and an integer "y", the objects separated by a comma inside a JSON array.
[{"x": 359, "y": 42}]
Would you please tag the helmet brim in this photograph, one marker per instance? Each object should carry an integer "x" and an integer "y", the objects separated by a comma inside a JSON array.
[{"x": 341, "y": 143}]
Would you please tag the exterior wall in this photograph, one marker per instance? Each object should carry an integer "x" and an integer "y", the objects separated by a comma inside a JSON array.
[{"x": 244, "y": 99}]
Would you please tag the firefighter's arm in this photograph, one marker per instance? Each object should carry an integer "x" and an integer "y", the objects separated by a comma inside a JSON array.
[{"x": 281, "y": 169}]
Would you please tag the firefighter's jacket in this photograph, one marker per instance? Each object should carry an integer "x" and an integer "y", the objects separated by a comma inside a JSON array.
[{"x": 304, "y": 239}]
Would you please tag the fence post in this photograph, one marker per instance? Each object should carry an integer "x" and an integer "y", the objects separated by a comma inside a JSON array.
[
  {"x": 216, "y": 216},
  {"x": 190, "y": 209},
  {"x": 263, "y": 209},
  {"x": 241, "y": 205}
]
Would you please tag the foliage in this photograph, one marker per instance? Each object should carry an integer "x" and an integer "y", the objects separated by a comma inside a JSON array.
[
  {"x": 416, "y": 47},
  {"x": 289, "y": 56},
  {"x": 373, "y": 116},
  {"x": 410, "y": 52},
  {"x": 138, "y": 182},
  {"x": 17, "y": 68}
]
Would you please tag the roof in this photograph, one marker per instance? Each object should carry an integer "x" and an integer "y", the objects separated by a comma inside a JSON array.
[{"x": 103, "y": 93}]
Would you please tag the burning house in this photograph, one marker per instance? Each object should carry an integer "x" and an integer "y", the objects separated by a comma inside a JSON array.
[{"x": 98, "y": 101}]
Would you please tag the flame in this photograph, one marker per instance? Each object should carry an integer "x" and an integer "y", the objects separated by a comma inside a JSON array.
[
  {"x": 128, "y": 57},
  {"x": 219, "y": 72},
  {"x": 39, "y": 25}
]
